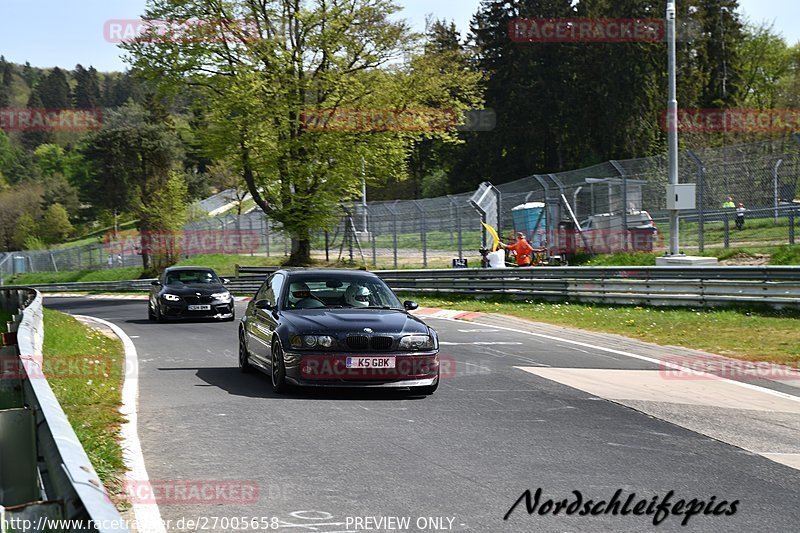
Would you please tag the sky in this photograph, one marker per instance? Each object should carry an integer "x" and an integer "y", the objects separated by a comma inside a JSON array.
[{"x": 64, "y": 33}]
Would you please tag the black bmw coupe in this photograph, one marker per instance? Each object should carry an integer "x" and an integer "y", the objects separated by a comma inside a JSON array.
[
  {"x": 333, "y": 328},
  {"x": 190, "y": 292}
]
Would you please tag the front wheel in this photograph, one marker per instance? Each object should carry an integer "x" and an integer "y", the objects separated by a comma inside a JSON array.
[
  {"x": 151, "y": 316},
  {"x": 244, "y": 355},
  {"x": 278, "y": 373}
]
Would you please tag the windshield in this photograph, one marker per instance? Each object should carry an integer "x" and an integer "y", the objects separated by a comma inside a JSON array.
[
  {"x": 184, "y": 277},
  {"x": 339, "y": 292}
]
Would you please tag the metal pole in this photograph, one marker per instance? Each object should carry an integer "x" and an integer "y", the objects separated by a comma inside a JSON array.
[
  {"x": 672, "y": 125},
  {"x": 775, "y": 181}
]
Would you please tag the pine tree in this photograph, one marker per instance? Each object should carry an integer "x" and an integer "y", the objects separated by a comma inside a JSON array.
[
  {"x": 30, "y": 75},
  {"x": 6, "y": 79},
  {"x": 37, "y": 135},
  {"x": 87, "y": 89},
  {"x": 54, "y": 90}
]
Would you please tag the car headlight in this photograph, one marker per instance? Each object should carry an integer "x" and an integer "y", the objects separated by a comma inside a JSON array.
[
  {"x": 172, "y": 298},
  {"x": 224, "y": 296},
  {"x": 311, "y": 341},
  {"x": 416, "y": 342}
]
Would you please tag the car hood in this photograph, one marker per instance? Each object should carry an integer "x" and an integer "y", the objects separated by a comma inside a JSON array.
[
  {"x": 384, "y": 321},
  {"x": 191, "y": 289}
]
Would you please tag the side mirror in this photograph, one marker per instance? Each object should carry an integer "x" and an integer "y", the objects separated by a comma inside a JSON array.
[
  {"x": 410, "y": 305},
  {"x": 225, "y": 281},
  {"x": 155, "y": 283},
  {"x": 264, "y": 305}
]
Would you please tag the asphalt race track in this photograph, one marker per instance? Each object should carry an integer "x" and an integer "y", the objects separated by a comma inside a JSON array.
[{"x": 456, "y": 461}]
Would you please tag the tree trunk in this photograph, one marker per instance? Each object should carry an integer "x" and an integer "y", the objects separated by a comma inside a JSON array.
[{"x": 301, "y": 252}]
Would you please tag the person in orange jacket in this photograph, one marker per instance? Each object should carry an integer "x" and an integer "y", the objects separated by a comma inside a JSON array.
[{"x": 521, "y": 248}]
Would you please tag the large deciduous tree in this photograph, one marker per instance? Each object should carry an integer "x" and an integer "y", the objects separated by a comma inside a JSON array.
[{"x": 261, "y": 66}]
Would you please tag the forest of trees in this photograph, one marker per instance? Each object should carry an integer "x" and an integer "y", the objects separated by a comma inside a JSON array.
[{"x": 192, "y": 119}]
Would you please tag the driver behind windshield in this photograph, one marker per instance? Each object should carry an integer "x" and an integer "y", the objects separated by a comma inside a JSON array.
[{"x": 357, "y": 296}]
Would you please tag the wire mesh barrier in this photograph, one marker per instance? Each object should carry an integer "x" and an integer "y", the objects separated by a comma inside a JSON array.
[{"x": 745, "y": 198}]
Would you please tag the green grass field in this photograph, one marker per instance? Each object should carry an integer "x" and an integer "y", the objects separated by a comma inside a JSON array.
[
  {"x": 740, "y": 333},
  {"x": 85, "y": 370}
]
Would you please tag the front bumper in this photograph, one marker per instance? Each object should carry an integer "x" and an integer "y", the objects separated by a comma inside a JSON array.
[
  {"x": 330, "y": 370},
  {"x": 218, "y": 309}
]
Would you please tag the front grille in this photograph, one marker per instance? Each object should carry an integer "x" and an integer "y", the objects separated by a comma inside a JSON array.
[
  {"x": 197, "y": 300},
  {"x": 382, "y": 343},
  {"x": 363, "y": 342},
  {"x": 358, "y": 342}
]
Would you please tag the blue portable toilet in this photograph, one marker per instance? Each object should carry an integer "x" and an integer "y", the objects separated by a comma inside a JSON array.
[
  {"x": 525, "y": 217},
  {"x": 19, "y": 264}
]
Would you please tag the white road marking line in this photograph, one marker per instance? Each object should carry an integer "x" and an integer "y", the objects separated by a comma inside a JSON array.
[
  {"x": 479, "y": 331},
  {"x": 148, "y": 516},
  {"x": 578, "y": 350},
  {"x": 480, "y": 343}
]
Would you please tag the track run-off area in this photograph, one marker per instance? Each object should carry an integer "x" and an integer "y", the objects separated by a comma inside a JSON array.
[{"x": 570, "y": 416}]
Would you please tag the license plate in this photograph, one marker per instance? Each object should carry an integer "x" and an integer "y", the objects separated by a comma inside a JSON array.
[
  {"x": 370, "y": 362},
  {"x": 199, "y": 308}
]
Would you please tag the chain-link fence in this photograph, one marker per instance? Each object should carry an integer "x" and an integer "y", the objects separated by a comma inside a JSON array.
[{"x": 613, "y": 206}]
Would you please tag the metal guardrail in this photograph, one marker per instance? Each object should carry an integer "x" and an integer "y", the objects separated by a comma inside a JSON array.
[
  {"x": 44, "y": 471},
  {"x": 675, "y": 286}
]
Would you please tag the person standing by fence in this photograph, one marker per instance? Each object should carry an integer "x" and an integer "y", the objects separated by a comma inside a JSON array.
[
  {"x": 522, "y": 249},
  {"x": 729, "y": 204},
  {"x": 740, "y": 211}
]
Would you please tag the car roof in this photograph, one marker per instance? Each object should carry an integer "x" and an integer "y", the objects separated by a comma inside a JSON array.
[
  {"x": 185, "y": 268},
  {"x": 327, "y": 272}
]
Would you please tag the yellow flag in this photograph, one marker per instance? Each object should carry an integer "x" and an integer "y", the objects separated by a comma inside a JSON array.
[{"x": 494, "y": 235}]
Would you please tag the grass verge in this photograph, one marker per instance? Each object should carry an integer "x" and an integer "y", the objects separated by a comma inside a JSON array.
[
  {"x": 753, "y": 335},
  {"x": 85, "y": 370}
]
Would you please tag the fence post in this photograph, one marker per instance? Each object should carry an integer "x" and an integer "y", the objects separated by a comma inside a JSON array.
[
  {"x": 775, "y": 184},
  {"x": 267, "y": 231},
  {"x": 250, "y": 226},
  {"x": 701, "y": 179},
  {"x": 423, "y": 234},
  {"x": 622, "y": 175},
  {"x": 455, "y": 206},
  {"x": 727, "y": 230},
  {"x": 372, "y": 235},
  {"x": 791, "y": 227}
]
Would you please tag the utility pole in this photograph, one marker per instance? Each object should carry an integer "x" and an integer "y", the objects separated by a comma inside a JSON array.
[
  {"x": 678, "y": 196},
  {"x": 672, "y": 124}
]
